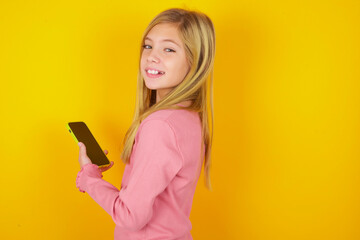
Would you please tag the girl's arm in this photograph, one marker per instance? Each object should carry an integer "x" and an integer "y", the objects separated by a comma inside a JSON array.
[{"x": 156, "y": 160}]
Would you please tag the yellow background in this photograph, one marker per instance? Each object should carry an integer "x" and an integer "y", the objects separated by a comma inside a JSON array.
[{"x": 286, "y": 98}]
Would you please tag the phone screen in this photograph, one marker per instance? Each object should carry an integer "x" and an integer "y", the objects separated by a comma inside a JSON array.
[{"x": 81, "y": 133}]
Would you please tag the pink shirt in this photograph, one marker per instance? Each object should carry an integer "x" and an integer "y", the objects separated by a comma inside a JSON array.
[{"x": 158, "y": 185}]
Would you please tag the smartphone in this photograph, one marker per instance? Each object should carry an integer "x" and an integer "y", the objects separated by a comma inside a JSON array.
[{"x": 81, "y": 133}]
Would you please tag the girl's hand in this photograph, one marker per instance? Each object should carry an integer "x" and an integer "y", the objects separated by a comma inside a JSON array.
[
  {"x": 103, "y": 169},
  {"x": 84, "y": 159}
]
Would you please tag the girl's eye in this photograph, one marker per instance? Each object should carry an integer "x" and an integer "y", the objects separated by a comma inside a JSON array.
[{"x": 166, "y": 49}]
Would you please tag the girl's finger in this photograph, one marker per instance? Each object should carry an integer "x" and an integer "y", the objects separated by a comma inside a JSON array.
[{"x": 106, "y": 152}]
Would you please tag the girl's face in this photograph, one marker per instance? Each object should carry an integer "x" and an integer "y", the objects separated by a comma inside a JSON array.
[{"x": 163, "y": 60}]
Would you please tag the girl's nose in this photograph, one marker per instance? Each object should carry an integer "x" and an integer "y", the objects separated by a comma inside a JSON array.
[{"x": 153, "y": 57}]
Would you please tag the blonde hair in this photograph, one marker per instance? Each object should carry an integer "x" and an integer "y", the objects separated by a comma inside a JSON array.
[{"x": 197, "y": 33}]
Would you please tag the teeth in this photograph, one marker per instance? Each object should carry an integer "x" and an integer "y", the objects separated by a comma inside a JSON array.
[{"x": 153, "y": 71}]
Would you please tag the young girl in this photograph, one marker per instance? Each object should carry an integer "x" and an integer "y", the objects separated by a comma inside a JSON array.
[{"x": 169, "y": 138}]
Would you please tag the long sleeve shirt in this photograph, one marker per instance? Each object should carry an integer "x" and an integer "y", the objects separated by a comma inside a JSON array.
[{"x": 158, "y": 184}]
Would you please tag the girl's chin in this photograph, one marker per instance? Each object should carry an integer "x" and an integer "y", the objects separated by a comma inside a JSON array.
[{"x": 151, "y": 86}]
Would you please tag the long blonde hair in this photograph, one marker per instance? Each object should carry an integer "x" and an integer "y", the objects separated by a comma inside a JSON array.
[{"x": 197, "y": 33}]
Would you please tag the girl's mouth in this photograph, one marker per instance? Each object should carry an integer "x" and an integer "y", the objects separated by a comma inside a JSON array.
[{"x": 154, "y": 73}]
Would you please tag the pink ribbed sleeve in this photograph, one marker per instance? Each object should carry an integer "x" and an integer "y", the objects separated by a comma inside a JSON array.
[{"x": 156, "y": 159}]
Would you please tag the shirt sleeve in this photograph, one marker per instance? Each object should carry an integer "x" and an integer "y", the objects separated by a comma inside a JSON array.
[{"x": 156, "y": 161}]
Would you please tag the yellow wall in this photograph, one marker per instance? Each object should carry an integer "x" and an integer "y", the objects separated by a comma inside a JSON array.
[{"x": 287, "y": 115}]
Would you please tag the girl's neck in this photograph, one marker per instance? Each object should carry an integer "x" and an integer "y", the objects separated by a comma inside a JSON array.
[{"x": 185, "y": 103}]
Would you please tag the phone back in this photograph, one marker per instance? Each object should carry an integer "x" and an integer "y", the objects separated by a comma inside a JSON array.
[{"x": 81, "y": 133}]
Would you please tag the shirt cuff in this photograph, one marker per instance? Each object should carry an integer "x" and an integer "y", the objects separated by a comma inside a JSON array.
[{"x": 87, "y": 172}]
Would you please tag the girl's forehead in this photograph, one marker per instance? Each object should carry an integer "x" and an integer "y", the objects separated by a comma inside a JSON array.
[{"x": 163, "y": 30}]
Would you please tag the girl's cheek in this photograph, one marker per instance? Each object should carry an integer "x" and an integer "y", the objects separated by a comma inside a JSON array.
[{"x": 143, "y": 61}]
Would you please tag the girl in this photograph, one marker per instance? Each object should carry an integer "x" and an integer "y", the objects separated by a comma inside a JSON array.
[{"x": 169, "y": 138}]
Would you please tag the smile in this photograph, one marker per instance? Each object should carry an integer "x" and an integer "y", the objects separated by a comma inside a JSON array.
[{"x": 154, "y": 73}]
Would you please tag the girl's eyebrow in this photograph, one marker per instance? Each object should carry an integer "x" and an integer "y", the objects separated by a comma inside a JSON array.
[{"x": 165, "y": 40}]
